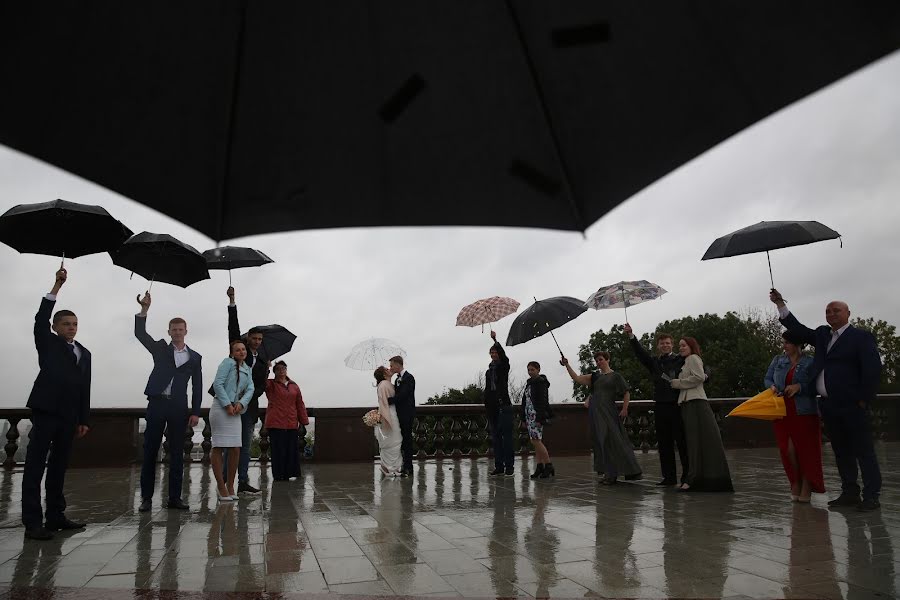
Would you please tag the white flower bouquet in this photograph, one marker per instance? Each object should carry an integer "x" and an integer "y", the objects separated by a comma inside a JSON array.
[{"x": 372, "y": 418}]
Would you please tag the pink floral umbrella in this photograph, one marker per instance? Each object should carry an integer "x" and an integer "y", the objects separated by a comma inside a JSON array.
[{"x": 486, "y": 310}]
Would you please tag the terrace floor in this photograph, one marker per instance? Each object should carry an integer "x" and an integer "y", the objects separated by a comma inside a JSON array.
[{"x": 451, "y": 530}]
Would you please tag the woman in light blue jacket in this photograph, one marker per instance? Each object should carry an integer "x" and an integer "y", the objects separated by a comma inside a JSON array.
[
  {"x": 233, "y": 388},
  {"x": 799, "y": 433}
]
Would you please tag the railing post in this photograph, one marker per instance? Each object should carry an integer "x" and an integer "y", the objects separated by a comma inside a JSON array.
[
  {"x": 206, "y": 444},
  {"x": 421, "y": 436},
  {"x": 12, "y": 443},
  {"x": 455, "y": 438},
  {"x": 188, "y": 444},
  {"x": 263, "y": 443},
  {"x": 438, "y": 437}
]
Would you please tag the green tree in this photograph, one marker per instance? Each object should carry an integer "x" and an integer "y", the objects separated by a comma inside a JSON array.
[
  {"x": 888, "y": 347},
  {"x": 471, "y": 394}
]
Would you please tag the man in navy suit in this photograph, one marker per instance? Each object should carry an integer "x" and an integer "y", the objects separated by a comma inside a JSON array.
[
  {"x": 60, "y": 404},
  {"x": 173, "y": 365},
  {"x": 405, "y": 401},
  {"x": 847, "y": 371}
]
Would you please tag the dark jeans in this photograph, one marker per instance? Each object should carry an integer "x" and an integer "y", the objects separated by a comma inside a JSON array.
[
  {"x": 500, "y": 421},
  {"x": 285, "y": 453},
  {"x": 171, "y": 416},
  {"x": 851, "y": 440},
  {"x": 53, "y": 435},
  {"x": 669, "y": 434},
  {"x": 248, "y": 423},
  {"x": 406, "y": 419}
]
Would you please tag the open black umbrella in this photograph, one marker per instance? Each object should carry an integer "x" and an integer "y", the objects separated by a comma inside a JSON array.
[
  {"x": 239, "y": 117},
  {"x": 277, "y": 341},
  {"x": 61, "y": 228},
  {"x": 543, "y": 317},
  {"x": 769, "y": 235},
  {"x": 234, "y": 257},
  {"x": 161, "y": 257}
]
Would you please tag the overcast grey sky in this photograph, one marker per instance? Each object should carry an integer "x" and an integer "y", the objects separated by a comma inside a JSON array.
[{"x": 834, "y": 158}]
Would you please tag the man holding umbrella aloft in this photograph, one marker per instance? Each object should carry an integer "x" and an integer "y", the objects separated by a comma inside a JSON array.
[
  {"x": 60, "y": 404},
  {"x": 498, "y": 408},
  {"x": 664, "y": 367},
  {"x": 258, "y": 362}
]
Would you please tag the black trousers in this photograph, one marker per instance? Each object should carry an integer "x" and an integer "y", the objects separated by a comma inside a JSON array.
[
  {"x": 850, "y": 433},
  {"x": 169, "y": 416},
  {"x": 669, "y": 434},
  {"x": 50, "y": 435},
  {"x": 406, "y": 418}
]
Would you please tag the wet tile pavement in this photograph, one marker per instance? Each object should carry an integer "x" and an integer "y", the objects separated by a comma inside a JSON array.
[{"x": 452, "y": 531}]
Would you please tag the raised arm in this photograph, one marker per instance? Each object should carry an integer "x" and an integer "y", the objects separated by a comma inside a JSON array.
[
  {"x": 140, "y": 323},
  {"x": 640, "y": 352},
  {"x": 787, "y": 319},
  {"x": 42, "y": 331},
  {"x": 234, "y": 329},
  {"x": 693, "y": 374},
  {"x": 579, "y": 379}
]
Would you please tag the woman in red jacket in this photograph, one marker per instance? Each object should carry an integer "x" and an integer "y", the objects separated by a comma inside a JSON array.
[{"x": 285, "y": 413}]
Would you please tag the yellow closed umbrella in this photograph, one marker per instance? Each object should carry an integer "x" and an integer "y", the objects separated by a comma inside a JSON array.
[{"x": 766, "y": 406}]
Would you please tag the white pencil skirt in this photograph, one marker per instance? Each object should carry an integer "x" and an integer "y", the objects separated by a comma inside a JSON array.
[{"x": 226, "y": 429}]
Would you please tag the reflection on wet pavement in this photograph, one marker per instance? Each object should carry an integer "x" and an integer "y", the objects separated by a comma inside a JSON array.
[{"x": 451, "y": 530}]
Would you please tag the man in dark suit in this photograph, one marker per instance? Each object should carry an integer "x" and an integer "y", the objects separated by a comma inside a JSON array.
[
  {"x": 846, "y": 371},
  {"x": 405, "y": 401},
  {"x": 259, "y": 368},
  {"x": 60, "y": 404},
  {"x": 174, "y": 364}
]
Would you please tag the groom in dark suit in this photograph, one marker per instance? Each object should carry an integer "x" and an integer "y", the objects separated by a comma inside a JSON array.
[
  {"x": 405, "y": 401},
  {"x": 174, "y": 364},
  {"x": 60, "y": 404},
  {"x": 846, "y": 372}
]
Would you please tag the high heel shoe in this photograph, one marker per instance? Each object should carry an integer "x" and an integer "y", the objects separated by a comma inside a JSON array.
[
  {"x": 538, "y": 472},
  {"x": 549, "y": 471}
]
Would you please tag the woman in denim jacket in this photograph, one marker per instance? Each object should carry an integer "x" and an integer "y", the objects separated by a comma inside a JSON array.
[{"x": 799, "y": 433}]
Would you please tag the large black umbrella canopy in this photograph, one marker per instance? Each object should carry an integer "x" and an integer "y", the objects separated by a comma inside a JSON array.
[
  {"x": 240, "y": 117},
  {"x": 769, "y": 235},
  {"x": 161, "y": 257},
  {"x": 277, "y": 341},
  {"x": 61, "y": 228},
  {"x": 543, "y": 317}
]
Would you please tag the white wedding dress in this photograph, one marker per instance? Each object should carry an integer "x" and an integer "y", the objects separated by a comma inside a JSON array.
[{"x": 388, "y": 432}]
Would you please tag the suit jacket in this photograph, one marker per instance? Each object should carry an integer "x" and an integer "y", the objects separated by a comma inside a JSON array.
[
  {"x": 62, "y": 386},
  {"x": 164, "y": 369},
  {"x": 690, "y": 380},
  {"x": 852, "y": 366},
  {"x": 405, "y": 394}
]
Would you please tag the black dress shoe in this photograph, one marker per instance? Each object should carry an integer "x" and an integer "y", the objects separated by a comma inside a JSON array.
[
  {"x": 495, "y": 472},
  {"x": 38, "y": 533},
  {"x": 867, "y": 505},
  {"x": 61, "y": 525},
  {"x": 145, "y": 506},
  {"x": 845, "y": 500},
  {"x": 667, "y": 482},
  {"x": 177, "y": 504}
]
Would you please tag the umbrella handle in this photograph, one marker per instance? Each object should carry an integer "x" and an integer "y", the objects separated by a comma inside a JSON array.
[
  {"x": 771, "y": 279},
  {"x": 561, "y": 355},
  {"x": 62, "y": 262},
  {"x": 229, "y": 277},
  {"x": 150, "y": 287}
]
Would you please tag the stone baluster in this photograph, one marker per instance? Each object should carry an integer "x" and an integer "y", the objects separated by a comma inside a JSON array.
[
  {"x": 439, "y": 438},
  {"x": 420, "y": 430},
  {"x": 524, "y": 444},
  {"x": 264, "y": 444},
  {"x": 12, "y": 443},
  {"x": 486, "y": 435},
  {"x": 206, "y": 444},
  {"x": 455, "y": 437},
  {"x": 644, "y": 432},
  {"x": 188, "y": 443}
]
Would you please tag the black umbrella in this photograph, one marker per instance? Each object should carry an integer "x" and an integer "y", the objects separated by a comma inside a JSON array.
[
  {"x": 234, "y": 257},
  {"x": 160, "y": 257},
  {"x": 277, "y": 341},
  {"x": 239, "y": 117},
  {"x": 543, "y": 317},
  {"x": 61, "y": 228},
  {"x": 769, "y": 235}
]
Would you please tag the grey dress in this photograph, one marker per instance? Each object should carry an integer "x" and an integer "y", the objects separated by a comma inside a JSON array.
[{"x": 613, "y": 451}]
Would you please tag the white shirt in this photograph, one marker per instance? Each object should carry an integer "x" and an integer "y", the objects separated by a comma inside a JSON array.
[
  {"x": 181, "y": 357},
  {"x": 783, "y": 312},
  {"x": 52, "y": 298}
]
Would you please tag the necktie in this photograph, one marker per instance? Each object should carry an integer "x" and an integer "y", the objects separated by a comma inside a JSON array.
[{"x": 72, "y": 350}]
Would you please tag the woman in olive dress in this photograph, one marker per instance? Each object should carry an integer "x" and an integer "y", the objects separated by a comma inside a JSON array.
[{"x": 613, "y": 450}]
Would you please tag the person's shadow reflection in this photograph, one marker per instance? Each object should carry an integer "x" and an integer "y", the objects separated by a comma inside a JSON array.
[
  {"x": 34, "y": 565},
  {"x": 504, "y": 535},
  {"x": 539, "y": 536},
  {"x": 614, "y": 561},
  {"x": 871, "y": 561},
  {"x": 810, "y": 529}
]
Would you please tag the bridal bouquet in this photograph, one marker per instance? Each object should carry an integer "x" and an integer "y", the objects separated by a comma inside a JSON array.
[{"x": 372, "y": 418}]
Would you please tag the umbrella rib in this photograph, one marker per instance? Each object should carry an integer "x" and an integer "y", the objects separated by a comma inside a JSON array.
[{"x": 548, "y": 118}]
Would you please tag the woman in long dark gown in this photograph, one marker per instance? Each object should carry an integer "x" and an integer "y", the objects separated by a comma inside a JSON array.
[{"x": 613, "y": 450}]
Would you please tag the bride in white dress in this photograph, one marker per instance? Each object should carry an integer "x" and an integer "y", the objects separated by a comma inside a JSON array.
[{"x": 387, "y": 432}]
